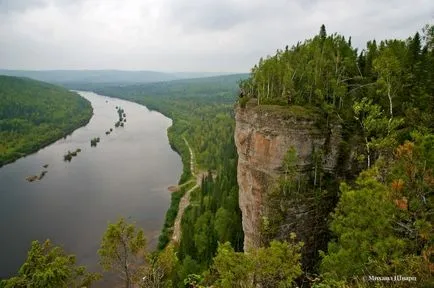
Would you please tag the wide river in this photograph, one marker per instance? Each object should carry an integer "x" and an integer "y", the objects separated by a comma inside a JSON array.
[{"x": 126, "y": 175}]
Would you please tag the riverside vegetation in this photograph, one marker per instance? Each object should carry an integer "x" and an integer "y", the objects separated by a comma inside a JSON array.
[
  {"x": 383, "y": 97},
  {"x": 34, "y": 114}
]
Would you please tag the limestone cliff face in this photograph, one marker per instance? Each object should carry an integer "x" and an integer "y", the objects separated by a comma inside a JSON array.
[{"x": 263, "y": 135}]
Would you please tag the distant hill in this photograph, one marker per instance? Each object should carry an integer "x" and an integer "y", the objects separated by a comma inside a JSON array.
[
  {"x": 104, "y": 76},
  {"x": 196, "y": 87},
  {"x": 94, "y": 76},
  {"x": 189, "y": 75}
]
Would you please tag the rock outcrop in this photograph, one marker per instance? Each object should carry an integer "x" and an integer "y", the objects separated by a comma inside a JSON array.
[{"x": 263, "y": 135}]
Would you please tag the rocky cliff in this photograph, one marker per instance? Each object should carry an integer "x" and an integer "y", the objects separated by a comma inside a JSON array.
[{"x": 263, "y": 135}]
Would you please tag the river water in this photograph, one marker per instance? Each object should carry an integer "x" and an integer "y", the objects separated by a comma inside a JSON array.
[{"x": 126, "y": 175}]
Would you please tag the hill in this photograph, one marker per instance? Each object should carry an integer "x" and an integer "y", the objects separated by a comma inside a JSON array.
[
  {"x": 224, "y": 86},
  {"x": 94, "y": 76},
  {"x": 33, "y": 114}
]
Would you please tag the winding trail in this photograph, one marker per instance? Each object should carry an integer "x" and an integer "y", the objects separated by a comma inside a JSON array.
[{"x": 185, "y": 200}]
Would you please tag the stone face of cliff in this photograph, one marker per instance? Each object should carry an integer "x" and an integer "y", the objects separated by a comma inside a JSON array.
[{"x": 263, "y": 135}]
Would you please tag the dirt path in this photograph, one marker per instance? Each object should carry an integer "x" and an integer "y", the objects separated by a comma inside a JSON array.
[{"x": 185, "y": 200}]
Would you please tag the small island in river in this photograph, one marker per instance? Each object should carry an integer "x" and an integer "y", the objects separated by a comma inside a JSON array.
[
  {"x": 94, "y": 141},
  {"x": 35, "y": 177},
  {"x": 69, "y": 155}
]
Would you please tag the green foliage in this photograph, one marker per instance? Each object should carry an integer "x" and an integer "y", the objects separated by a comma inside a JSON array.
[
  {"x": 315, "y": 72},
  {"x": 123, "y": 250},
  {"x": 275, "y": 266},
  {"x": 383, "y": 225},
  {"x": 193, "y": 280},
  {"x": 378, "y": 131},
  {"x": 49, "y": 266},
  {"x": 161, "y": 269},
  {"x": 362, "y": 224},
  {"x": 212, "y": 216},
  {"x": 188, "y": 267},
  {"x": 34, "y": 114}
]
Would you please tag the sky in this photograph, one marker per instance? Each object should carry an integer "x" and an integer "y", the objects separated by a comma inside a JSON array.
[{"x": 187, "y": 35}]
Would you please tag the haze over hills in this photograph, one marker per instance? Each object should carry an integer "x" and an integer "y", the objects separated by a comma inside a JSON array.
[
  {"x": 225, "y": 86},
  {"x": 105, "y": 76}
]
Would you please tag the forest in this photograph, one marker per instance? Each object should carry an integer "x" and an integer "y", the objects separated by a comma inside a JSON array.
[
  {"x": 34, "y": 114},
  {"x": 382, "y": 224}
]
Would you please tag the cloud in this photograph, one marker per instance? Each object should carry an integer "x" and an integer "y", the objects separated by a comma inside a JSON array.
[{"x": 186, "y": 35}]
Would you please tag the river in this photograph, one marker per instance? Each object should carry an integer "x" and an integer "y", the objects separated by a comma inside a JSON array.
[{"x": 127, "y": 175}]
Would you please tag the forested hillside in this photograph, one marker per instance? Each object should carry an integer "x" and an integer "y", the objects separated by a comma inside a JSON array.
[{"x": 34, "y": 114}]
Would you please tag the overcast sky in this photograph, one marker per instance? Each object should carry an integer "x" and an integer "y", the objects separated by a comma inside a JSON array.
[{"x": 187, "y": 35}]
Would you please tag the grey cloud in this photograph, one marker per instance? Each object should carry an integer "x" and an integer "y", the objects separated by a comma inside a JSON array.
[
  {"x": 187, "y": 35},
  {"x": 202, "y": 15},
  {"x": 206, "y": 14}
]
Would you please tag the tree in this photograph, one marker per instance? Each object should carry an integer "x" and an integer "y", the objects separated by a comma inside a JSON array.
[
  {"x": 275, "y": 266},
  {"x": 48, "y": 266},
  {"x": 322, "y": 32},
  {"x": 223, "y": 224},
  {"x": 161, "y": 269},
  {"x": 232, "y": 269},
  {"x": 362, "y": 225},
  {"x": 123, "y": 251},
  {"x": 389, "y": 71},
  {"x": 378, "y": 132},
  {"x": 383, "y": 224},
  {"x": 204, "y": 235}
]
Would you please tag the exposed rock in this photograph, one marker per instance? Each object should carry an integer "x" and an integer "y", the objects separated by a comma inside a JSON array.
[{"x": 263, "y": 135}]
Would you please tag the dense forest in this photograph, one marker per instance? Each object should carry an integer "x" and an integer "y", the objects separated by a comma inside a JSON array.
[
  {"x": 34, "y": 114},
  {"x": 382, "y": 225}
]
